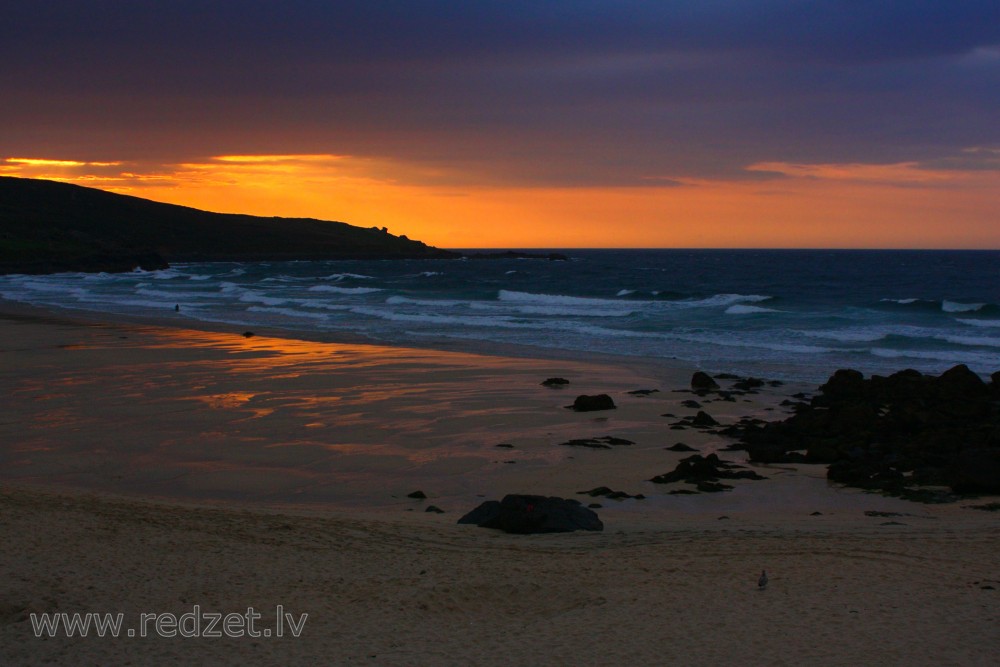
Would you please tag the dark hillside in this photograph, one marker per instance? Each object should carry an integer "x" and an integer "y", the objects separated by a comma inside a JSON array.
[{"x": 46, "y": 226}]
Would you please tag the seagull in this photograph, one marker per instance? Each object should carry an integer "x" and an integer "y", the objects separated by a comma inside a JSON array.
[{"x": 762, "y": 582}]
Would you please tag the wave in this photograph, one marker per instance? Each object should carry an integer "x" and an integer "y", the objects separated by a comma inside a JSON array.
[
  {"x": 971, "y": 341},
  {"x": 337, "y": 277},
  {"x": 741, "y": 309},
  {"x": 179, "y": 295},
  {"x": 955, "y": 307},
  {"x": 554, "y": 299},
  {"x": 719, "y": 300},
  {"x": 625, "y": 292},
  {"x": 847, "y": 336},
  {"x": 289, "y": 312},
  {"x": 977, "y": 359},
  {"x": 344, "y": 290},
  {"x": 444, "y": 303},
  {"x": 255, "y": 297},
  {"x": 943, "y": 305},
  {"x": 980, "y": 323}
]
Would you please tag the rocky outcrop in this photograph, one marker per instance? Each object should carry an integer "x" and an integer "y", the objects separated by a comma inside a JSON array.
[{"x": 893, "y": 434}]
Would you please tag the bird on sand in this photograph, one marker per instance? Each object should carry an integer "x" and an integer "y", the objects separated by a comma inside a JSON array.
[{"x": 762, "y": 582}]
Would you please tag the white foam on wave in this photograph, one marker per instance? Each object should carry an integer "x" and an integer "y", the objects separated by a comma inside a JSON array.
[
  {"x": 290, "y": 312},
  {"x": 429, "y": 274},
  {"x": 625, "y": 292},
  {"x": 956, "y": 307},
  {"x": 980, "y": 323},
  {"x": 903, "y": 302},
  {"x": 256, "y": 297},
  {"x": 574, "y": 311},
  {"x": 404, "y": 300},
  {"x": 344, "y": 290},
  {"x": 973, "y": 341},
  {"x": 337, "y": 277},
  {"x": 316, "y": 303},
  {"x": 435, "y": 318},
  {"x": 741, "y": 309},
  {"x": 847, "y": 335},
  {"x": 164, "y": 274},
  {"x": 177, "y": 295},
  {"x": 557, "y": 299},
  {"x": 719, "y": 300}
]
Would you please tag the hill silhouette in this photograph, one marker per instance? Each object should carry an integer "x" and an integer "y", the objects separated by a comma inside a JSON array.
[{"x": 47, "y": 226}]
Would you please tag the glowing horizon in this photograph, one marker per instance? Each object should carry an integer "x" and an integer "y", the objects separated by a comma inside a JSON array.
[{"x": 828, "y": 205}]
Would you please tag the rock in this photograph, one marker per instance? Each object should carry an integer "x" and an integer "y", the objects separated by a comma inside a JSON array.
[
  {"x": 604, "y": 442},
  {"x": 892, "y": 434},
  {"x": 703, "y": 420},
  {"x": 680, "y": 447},
  {"x": 701, "y": 381},
  {"x": 505, "y": 445},
  {"x": 644, "y": 392},
  {"x": 526, "y": 514},
  {"x": 696, "y": 468},
  {"x": 248, "y": 334},
  {"x": 555, "y": 382},
  {"x": 748, "y": 384},
  {"x": 977, "y": 471},
  {"x": 608, "y": 493},
  {"x": 691, "y": 403},
  {"x": 419, "y": 495},
  {"x": 435, "y": 509},
  {"x": 712, "y": 487},
  {"x": 584, "y": 403}
]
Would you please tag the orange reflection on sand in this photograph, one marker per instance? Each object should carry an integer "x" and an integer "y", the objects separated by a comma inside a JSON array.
[{"x": 231, "y": 400}]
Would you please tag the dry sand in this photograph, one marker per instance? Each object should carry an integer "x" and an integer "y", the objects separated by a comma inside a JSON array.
[{"x": 149, "y": 469}]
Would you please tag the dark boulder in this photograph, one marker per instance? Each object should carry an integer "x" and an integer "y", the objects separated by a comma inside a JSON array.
[
  {"x": 701, "y": 381},
  {"x": 526, "y": 514},
  {"x": 555, "y": 382},
  {"x": 584, "y": 403}
]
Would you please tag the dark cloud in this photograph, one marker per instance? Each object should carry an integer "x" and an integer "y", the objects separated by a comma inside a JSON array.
[{"x": 559, "y": 92}]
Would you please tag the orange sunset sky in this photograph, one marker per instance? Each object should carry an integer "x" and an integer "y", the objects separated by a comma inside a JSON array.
[{"x": 617, "y": 125}]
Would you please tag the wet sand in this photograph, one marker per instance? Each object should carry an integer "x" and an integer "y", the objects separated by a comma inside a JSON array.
[{"x": 149, "y": 468}]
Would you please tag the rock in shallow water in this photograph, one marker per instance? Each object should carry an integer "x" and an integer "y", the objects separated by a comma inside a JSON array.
[
  {"x": 526, "y": 514},
  {"x": 584, "y": 403}
]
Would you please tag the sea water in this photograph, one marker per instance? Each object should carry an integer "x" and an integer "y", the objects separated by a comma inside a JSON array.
[{"x": 781, "y": 314}]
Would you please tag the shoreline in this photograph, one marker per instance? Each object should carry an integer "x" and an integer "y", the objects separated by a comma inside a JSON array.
[{"x": 150, "y": 469}]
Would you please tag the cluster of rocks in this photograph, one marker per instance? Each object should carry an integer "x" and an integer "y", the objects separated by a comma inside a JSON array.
[
  {"x": 892, "y": 434},
  {"x": 526, "y": 514},
  {"x": 705, "y": 472},
  {"x": 606, "y": 492},
  {"x": 603, "y": 442}
]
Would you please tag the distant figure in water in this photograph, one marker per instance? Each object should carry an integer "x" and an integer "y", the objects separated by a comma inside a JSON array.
[
  {"x": 177, "y": 307},
  {"x": 762, "y": 582}
]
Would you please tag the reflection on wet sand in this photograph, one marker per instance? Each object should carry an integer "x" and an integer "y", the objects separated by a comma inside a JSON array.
[{"x": 219, "y": 415}]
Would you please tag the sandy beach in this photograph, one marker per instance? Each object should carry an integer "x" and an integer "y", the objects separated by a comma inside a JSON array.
[{"x": 149, "y": 469}]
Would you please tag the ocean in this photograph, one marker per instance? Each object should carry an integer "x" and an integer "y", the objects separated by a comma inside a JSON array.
[{"x": 780, "y": 314}]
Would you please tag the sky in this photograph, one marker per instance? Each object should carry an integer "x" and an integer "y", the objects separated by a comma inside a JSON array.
[{"x": 560, "y": 124}]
